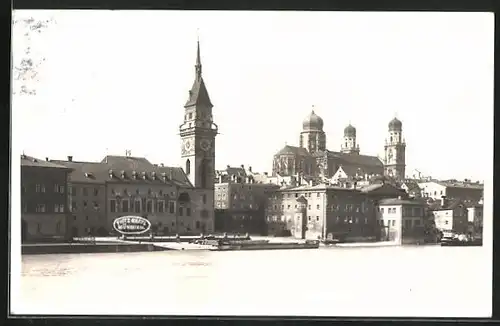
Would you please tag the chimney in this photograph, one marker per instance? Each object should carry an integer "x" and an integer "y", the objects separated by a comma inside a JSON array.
[
  {"x": 47, "y": 159},
  {"x": 250, "y": 168},
  {"x": 243, "y": 167},
  {"x": 70, "y": 158},
  {"x": 265, "y": 173},
  {"x": 220, "y": 178},
  {"x": 228, "y": 166}
]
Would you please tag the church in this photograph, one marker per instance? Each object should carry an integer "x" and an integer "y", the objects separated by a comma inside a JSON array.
[{"x": 311, "y": 160}]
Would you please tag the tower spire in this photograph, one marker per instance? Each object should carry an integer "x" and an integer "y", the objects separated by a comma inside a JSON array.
[{"x": 198, "y": 57}]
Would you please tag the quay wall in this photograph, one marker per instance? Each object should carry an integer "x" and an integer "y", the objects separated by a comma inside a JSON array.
[{"x": 68, "y": 248}]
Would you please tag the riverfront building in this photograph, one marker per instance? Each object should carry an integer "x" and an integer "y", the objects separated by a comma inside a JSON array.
[
  {"x": 240, "y": 202},
  {"x": 44, "y": 200},
  {"x": 403, "y": 220},
  {"x": 321, "y": 211},
  {"x": 175, "y": 199}
]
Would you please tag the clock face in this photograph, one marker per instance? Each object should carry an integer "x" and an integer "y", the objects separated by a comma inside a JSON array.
[{"x": 205, "y": 144}]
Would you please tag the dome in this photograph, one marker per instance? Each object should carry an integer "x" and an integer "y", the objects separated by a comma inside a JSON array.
[
  {"x": 350, "y": 131},
  {"x": 313, "y": 122},
  {"x": 395, "y": 124}
]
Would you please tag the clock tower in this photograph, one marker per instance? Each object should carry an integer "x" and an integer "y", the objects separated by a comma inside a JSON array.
[{"x": 198, "y": 134}]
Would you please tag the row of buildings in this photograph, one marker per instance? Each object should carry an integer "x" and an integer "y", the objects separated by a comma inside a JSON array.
[{"x": 312, "y": 192}]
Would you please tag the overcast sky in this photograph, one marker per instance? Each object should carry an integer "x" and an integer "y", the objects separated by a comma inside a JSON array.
[{"x": 117, "y": 80}]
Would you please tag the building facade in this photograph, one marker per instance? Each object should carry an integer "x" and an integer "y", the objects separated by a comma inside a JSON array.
[
  {"x": 321, "y": 212},
  {"x": 451, "y": 215},
  {"x": 403, "y": 221},
  {"x": 45, "y": 200},
  {"x": 240, "y": 206},
  {"x": 475, "y": 218},
  {"x": 452, "y": 189}
]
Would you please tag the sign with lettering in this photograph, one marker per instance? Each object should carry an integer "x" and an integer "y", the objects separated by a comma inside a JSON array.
[{"x": 131, "y": 225}]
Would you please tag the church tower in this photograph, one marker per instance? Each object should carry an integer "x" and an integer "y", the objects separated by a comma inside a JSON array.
[
  {"x": 349, "y": 145},
  {"x": 395, "y": 147},
  {"x": 198, "y": 133},
  {"x": 313, "y": 137}
]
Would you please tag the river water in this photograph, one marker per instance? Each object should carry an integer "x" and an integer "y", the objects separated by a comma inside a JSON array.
[{"x": 427, "y": 281}]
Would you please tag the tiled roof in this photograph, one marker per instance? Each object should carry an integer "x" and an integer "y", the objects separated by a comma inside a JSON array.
[
  {"x": 397, "y": 201},
  {"x": 412, "y": 185},
  {"x": 357, "y": 159},
  {"x": 293, "y": 150},
  {"x": 449, "y": 204},
  {"x": 35, "y": 162},
  {"x": 98, "y": 172}
]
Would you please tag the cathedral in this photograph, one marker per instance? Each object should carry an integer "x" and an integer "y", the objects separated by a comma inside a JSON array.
[{"x": 311, "y": 159}]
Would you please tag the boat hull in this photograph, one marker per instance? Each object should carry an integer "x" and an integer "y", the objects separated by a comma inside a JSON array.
[{"x": 265, "y": 246}]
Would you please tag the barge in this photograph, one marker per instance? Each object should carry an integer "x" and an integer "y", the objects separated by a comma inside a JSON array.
[
  {"x": 225, "y": 245},
  {"x": 461, "y": 243}
]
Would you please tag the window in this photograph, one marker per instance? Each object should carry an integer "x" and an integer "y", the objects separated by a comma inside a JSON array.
[
  {"x": 56, "y": 208},
  {"x": 112, "y": 205},
  {"x": 38, "y": 188},
  {"x": 61, "y": 189},
  {"x": 446, "y": 222},
  {"x": 366, "y": 220},
  {"x": 317, "y": 218},
  {"x": 171, "y": 207},
  {"x": 58, "y": 227},
  {"x": 84, "y": 204},
  {"x": 61, "y": 208},
  {"x": 318, "y": 195},
  {"x": 417, "y": 222},
  {"x": 74, "y": 206},
  {"x": 288, "y": 207},
  {"x": 197, "y": 224},
  {"x": 181, "y": 211},
  {"x": 137, "y": 206},
  {"x": 149, "y": 206},
  {"x": 85, "y": 191},
  {"x": 188, "y": 167},
  {"x": 309, "y": 207},
  {"x": 125, "y": 207},
  {"x": 96, "y": 206},
  {"x": 161, "y": 206},
  {"x": 38, "y": 228},
  {"x": 204, "y": 199},
  {"x": 382, "y": 210},
  {"x": 308, "y": 218},
  {"x": 188, "y": 211},
  {"x": 40, "y": 208},
  {"x": 96, "y": 191},
  {"x": 317, "y": 206},
  {"x": 393, "y": 222}
]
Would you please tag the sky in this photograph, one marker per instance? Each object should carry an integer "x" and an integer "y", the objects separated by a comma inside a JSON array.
[{"x": 117, "y": 80}]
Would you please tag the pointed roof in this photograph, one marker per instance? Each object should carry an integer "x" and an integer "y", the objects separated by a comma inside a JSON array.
[{"x": 198, "y": 95}]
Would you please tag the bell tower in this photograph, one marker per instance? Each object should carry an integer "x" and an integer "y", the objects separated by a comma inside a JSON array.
[
  {"x": 395, "y": 148},
  {"x": 198, "y": 133}
]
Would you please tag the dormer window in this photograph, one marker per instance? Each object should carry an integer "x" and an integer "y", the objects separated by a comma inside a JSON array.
[
  {"x": 144, "y": 175},
  {"x": 110, "y": 172},
  {"x": 123, "y": 174},
  {"x": 153, "y": 175}
]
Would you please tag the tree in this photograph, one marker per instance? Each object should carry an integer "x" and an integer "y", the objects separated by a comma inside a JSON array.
[{"x": 26, "y": 61}]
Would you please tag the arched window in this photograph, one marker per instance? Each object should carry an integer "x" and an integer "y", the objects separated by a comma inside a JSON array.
[{"x": 188, "y": 166}]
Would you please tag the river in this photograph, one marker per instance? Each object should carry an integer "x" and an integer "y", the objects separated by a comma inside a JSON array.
[{"x": 392, "y": 281}]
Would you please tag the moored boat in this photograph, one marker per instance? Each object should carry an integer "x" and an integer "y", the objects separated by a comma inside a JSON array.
[{"x": 264, "y": 245}]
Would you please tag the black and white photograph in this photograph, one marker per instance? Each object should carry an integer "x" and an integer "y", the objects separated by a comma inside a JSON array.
[{"x": 252, "y": 163}]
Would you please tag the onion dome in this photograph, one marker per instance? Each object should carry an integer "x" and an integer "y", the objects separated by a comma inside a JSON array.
[
  {"x": 312, "y": 122},
  {"x": 350, "y": 131},
  {"x": 395, "y": 125}
]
